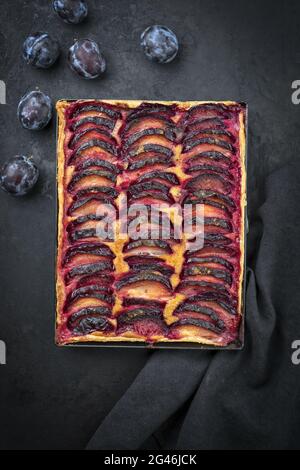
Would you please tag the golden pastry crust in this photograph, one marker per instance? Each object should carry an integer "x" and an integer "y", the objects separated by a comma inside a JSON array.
[{"x": 189, "y": 334}]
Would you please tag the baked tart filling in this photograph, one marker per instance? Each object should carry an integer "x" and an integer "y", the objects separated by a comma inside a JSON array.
[{"x": 151, "y": 199}]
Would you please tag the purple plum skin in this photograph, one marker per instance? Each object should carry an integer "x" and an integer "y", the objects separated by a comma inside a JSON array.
[
  {"x": 18, "y": 175},
  {"x": 159, "y": 44},
  {"x": 40, "y": 50},
  {"x": 86, "y": 59},
  {"x": 35, "y": 110},
  {"x": 71, "y": 11}
]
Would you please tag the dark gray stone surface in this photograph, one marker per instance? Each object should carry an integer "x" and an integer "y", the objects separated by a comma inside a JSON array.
[{"x": 54, "y": 398}]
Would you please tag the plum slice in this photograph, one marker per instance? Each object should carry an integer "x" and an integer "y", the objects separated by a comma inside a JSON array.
[
  {"x": 90, "y": 233},
  {"x": 92, "y": 248},
  {"x": 209, "y": 181},
  {"x": 210, "y": 260},
  {"x": 223, "y": 225},
  {"x": 212, "y": 250},
  {"x": 84, "y": 201},
  {"x": 140, "y": 302},
  {"x": 150, "y": 120},
  {"x": 200, "y": 271},
  {"x": 166, "y": 176},
  {"x": 92, "y": 190},
  {"x": 97, "y": 162},
  {"x": 207, "y": 110},
  {"x": 134, "y": 278},
  {"x": 92, "y": 291},
  {"x": 217, "y": 239},
  {"x": 194, "y": 308},
  {"x": 198, "y": 323},
  {"x": 206, "y": 123},
  {"x": 151, "y": 194},
  {"x": 87, "y": 320},
  {"x": 208, "y": 156},
  {"x": 132, "y": 139},
  {"x": 206, "y": 201},
  {"x": 146, "y": 109},
  {"x": 104, "y": 279},
  {"x": 189, "y": 145},
  {"x": 81, "y": 234},
  {"x": 146, "y": 321},
  {"x": 100, "y": 310},
  {"x": 83, "y": 219},
  {"x": 150, "y": 148},
  {"x": 94, "y": 120},
  {"x": 214, "y": 240},
  {"x": 86, "y": 173},
  {"x": 149, "y": 263},
  {"x": 212, "y": 193},
  {"x": 189, "y": 287},
  {"x": 207, "y": 196},
  {"x": 213, "y": 298},
  {"x": 96, "y": 132},
  {"x": 162, "y": 160},
  {"x": 222, "y": 133},
  {"x": 144, "y": 156},
  {"x": 90, "y": 268},
  {"x": 208, "y": 168},
  {"x": 149, "y": 243},
  {"x": 215, "y": 224},
  {"x": 97, "y": 107},
  {"x": 137, "y": 188},
  {"x": 98, "y": 143},
  {"x": 129, "y": 315}
]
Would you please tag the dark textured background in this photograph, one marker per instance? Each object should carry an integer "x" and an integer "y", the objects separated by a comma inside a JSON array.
[{"x": 54, "y": 398}]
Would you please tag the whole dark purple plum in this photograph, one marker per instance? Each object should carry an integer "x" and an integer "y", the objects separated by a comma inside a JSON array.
[
  {"x": 86, "y": 59},
  {"x": 40, "y": 50},
  {"x": 18, "y": 175},
  {"x": 71, "y": 11},
  {"x": 35, "y": 110},
  {"x": 159, "y": 44}
]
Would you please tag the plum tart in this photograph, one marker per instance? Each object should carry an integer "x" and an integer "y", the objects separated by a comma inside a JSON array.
[{"x": 126, "y": 269}]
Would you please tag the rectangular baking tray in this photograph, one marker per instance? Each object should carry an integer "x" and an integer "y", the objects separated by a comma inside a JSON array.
[{"x": 234, "y": 346}]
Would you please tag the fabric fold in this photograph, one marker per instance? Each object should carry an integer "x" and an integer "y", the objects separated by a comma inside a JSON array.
[{"x": 166, "y": 382}]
